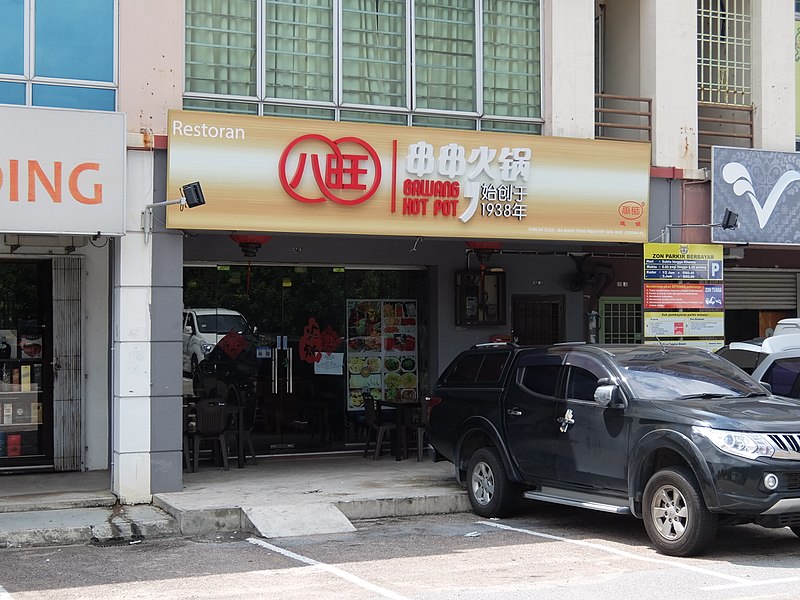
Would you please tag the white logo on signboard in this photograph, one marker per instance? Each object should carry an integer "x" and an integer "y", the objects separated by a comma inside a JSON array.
[{"x": 739, "y": 177}]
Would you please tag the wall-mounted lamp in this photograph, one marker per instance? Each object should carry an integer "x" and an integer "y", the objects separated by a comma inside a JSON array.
[
  {"x": 730, "y": 220},
  {"x": 191, "y": 196}
]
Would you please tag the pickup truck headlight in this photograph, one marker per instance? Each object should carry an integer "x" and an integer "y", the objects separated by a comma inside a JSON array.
[
  {"x": 206, "y": 347},
  {"x": 738, "y": 443}
]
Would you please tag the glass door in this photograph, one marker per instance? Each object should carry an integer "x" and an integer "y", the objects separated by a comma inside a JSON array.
[
  {"x": 296, "y": 368},
  {"x": 25, "y": 348},
  {"x": 305, "y": 332},
  {"x": 287, "y": 370}
]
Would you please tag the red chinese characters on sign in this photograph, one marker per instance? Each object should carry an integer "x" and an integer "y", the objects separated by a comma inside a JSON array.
[
  {"x": 329, "y": 340},
  {"x": 630, "y": 211},
  {"x": 309, "y": 348},
  {"x": 341, "y": 175},
  {"x": 233, "y": 344}
]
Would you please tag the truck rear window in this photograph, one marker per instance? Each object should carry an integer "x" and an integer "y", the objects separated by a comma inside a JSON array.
[{"x": 478, "y": 368}]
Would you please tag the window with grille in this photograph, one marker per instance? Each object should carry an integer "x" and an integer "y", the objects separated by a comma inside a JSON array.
[
  {"x": 425, "y": 63},
  {"x": 620, "y": 321},
  {"x": 724, "y": 51}
]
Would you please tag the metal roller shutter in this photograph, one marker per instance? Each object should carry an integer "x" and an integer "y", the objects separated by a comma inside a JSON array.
[{"x": 761, "y": 289}]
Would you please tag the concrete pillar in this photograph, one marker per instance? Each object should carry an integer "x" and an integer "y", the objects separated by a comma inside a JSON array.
[
  {"x": 668, "y": 75},
  {"x": 568, "y": 52},
  {"x": 773, "y": 75},
  {"x": 146, "y": 409}
]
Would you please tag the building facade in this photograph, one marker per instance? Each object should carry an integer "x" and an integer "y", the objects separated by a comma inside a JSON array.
[{"x": 574, "y": 131}]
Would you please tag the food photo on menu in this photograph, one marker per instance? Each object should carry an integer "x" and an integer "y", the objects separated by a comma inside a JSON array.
[{"x": 381, "y": 346}]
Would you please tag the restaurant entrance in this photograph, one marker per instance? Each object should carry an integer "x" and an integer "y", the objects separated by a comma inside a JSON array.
[{"x": 290, "y": 371}]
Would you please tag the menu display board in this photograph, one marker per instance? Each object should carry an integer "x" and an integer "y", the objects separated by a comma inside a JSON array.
[{"x": 381, "y": 351}]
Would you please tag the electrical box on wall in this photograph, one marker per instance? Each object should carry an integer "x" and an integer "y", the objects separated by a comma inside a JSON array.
[{"x": 480, "y": 298}]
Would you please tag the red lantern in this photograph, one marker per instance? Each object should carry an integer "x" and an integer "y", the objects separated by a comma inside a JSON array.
[
  {"x": 484, "y": 250},
  {"x": 250, "y": 243}
]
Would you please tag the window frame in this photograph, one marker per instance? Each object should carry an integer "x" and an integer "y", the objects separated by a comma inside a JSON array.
[
  {"x": 472, "y": 119},
  {"x": 31, "y": 80}
]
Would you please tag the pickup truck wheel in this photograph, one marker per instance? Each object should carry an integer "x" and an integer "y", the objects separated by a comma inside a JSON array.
[
  {"x": 675, "y": 516},
  {"x": 490, "y": 492}
]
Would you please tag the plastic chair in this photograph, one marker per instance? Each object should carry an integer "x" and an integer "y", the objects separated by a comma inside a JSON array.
[
  {"x": 212, "y": 424},
  {"x": 375, "y": 426}
]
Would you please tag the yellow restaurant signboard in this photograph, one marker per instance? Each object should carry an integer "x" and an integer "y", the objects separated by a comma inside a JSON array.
[{"x": 298, "y": 176}]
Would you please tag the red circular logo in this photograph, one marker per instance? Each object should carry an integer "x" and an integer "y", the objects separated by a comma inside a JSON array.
[
  {"x": 630, "y": 210},
  {"x": 339, "y": 169}
]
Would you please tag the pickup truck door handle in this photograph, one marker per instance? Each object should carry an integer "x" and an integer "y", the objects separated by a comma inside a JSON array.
[
  {"x": 566, "y": 421},
  {"x": 514, "y": 412}
]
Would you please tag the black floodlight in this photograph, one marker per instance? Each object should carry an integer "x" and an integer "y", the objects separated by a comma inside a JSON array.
[
  {"x": 730, "y": 220},
  {"x": 193, "y": 194}
]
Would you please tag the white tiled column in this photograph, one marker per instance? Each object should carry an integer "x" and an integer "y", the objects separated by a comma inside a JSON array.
[{"x": 130, "y": 411}]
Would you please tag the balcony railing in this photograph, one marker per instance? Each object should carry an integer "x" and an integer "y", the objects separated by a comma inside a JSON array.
[
  {"x": 624, "y": 118},
  {"x": 629, "y": 118},
  {"x": 722, "y": 125}
]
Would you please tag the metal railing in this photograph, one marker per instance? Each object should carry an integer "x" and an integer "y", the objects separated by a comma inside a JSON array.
[
  {"x": 626, "y": 118},
  {"x": 722, "y": 125}
]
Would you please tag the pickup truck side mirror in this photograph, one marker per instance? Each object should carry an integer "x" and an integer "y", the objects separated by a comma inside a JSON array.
[
  {"x": 609, "y": 396},
  {"x": 187, "y": 329}
]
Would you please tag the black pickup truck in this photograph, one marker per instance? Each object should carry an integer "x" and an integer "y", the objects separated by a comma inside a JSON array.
[{"x": 675, "y": 436}]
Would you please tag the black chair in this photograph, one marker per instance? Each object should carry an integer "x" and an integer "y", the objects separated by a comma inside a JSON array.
[
  {"x": 375, "y": 426},
  {"x": 420, "y": 425},
  {"x": 188, "y": 432},
  {"x": 212, "y": 425},
  {"x": 249, "y": 416}
]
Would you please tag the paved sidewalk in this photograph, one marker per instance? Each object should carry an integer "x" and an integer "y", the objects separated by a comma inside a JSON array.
[{"x": 277, "y": 497}]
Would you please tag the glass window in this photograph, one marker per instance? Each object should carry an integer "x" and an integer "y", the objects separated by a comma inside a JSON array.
[
  {"x": 65, "y": 48},
  {"x": 12, "y": 37},
  {"x": 581, "y": 384},
  {"x": 445, "y": 55},
  {"x": 374, "y": 52},
  {"x": 512, "y": 77},
  {"x": 63, "y": 96},
  {"x": 12, "y": 93},
  {"x": 724, "y": 52},
  {"x": 782, "y": 376},
  {"x": 425, "y": 63},
  {"x": 240, "y": 108},
  {"x": 48, "y": 47},
  {"x": 465, "y": 370},
  {"x": 221, "y": 47},
  {"x": 492, "y": 367},
  {"x": 540, "y": 379},
  {"x": 298, "y": 50}
]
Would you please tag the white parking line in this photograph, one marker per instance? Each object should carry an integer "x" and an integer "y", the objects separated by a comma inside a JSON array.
[
  {"x": 4, "y": 595},
  {"x": 675, "y": 564},
  {"x": 325, "y": 567},
  {"x": 744, "y": 584}
]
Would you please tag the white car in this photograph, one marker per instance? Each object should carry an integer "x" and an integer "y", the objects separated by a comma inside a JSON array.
[
  {"x": 203, "y": 328},
  {"x": 774, "y": 360}
]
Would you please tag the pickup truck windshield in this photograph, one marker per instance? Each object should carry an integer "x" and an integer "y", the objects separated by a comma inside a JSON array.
[{"x": 672, "y": 377}]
